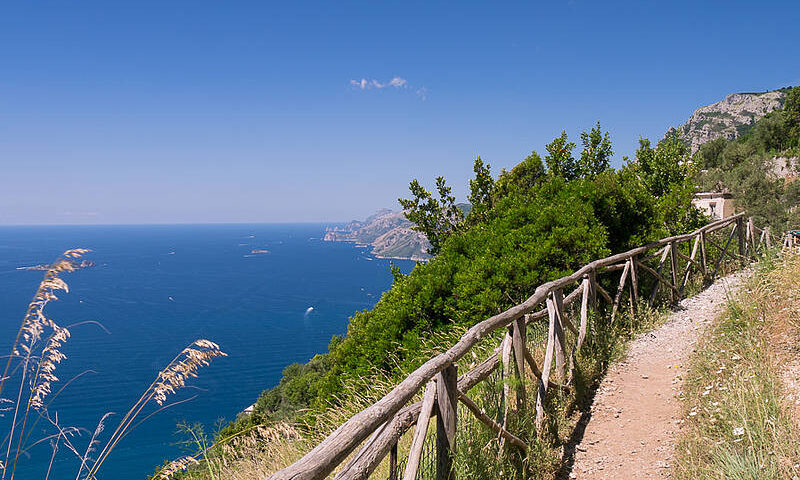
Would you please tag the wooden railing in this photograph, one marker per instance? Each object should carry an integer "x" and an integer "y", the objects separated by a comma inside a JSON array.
[{"x": 380, "y": 426}]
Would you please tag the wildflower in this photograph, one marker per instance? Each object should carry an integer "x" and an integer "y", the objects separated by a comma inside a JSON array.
[{"x": 738, "y": 431}]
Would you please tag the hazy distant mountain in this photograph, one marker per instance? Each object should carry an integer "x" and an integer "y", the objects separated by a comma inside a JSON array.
[{"x": 389, "y": 234}]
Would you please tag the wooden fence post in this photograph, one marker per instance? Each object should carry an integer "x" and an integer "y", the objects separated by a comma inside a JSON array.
[
  {"x": 586, "y": 304},
  {"x": 703, "y": 260},
  {"x": 741, "y": 232},
  {"x": 518, "y": 340},
  {"x": 690, "y": 263},
  {"x": 446, "y": 398},
  {"x": 393, "y": 462},
  {"x": 766, "y": 236},
  {"x": 658, "y": 272},
  {"x": 505, "y": 358},
  {"x": 559, "y": 346},
  {"x": 552, "y": 314},
  {"x": 673, "y": 264},
  {"x": 634, "y": 284},
  {"x": 418, "y": 441},
  {"x": 620, "y": 289}
]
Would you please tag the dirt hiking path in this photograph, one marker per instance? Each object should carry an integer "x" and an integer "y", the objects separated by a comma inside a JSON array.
[{"x": 630, "y": 433}]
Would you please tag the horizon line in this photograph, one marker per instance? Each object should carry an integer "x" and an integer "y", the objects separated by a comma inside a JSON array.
[{"x": 166, "y": 224}]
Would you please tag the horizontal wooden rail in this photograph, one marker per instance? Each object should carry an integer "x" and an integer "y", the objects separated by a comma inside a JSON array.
[{"x": 387, "y": 419}]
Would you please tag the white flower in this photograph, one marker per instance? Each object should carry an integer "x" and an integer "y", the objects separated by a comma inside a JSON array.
[{"x": 738, "y": 431}]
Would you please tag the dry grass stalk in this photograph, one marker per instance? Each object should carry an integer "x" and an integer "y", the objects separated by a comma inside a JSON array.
[
  {"x": 176, "y": 466},
  {"x": 36, "y": 367},
  {"x": 168, "y": 381}
]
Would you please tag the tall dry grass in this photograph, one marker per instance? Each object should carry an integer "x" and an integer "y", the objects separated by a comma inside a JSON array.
[
  {"x": 480, "y": 453},
  {"x": 739, "y": 422},
  {"x": 27, "y": 382}
]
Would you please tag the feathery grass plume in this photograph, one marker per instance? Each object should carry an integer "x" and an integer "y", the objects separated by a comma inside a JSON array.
[
  {"x": 36, "y": 367},
  {"x": 175, "y": 466},
  {"x": 172, "y": 378},
  {"x": 51, "y": 356},
  {"x": 93, "y": 442}
]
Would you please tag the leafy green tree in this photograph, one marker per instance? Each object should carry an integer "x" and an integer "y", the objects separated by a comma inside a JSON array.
[
  {"x": 559, "y": 160},
  {"x": 481, "y": 189},
  {"x": 596, "y": 154},
  {"x": 437, "y": 219},
  {"x": 522, "y": 179},
  {"x": 662, "y": 167}
]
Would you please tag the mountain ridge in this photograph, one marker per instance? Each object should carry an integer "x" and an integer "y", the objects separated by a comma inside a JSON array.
[{"x": 730, "y": 118}]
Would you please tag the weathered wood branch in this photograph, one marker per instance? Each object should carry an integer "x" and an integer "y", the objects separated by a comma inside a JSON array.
[
  {"x": 634, "y": 273},
  {"x": 664, "y": 255},
  {"x": 587, "y": 302},
  {"x": 724, "y": 250},
  {"x": 604, "y": 294},
  {"x": 518, "y": 340},
  {"x": 657, "y": 275},
  {"x": 418, "y": 442},
  {"x": 538, "y": 373},
  {"x": 369, "y": 457},
  {"x": 692, "y": 262},
  {"x": 446, "y": 421},
  {"x": 673, "y": 267},
  {"x": 620, "y": 289}
]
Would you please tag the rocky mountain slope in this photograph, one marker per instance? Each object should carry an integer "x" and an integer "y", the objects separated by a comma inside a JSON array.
[
  {"x": 389, "y": 234},
  {"x": 729, "y": 118}
]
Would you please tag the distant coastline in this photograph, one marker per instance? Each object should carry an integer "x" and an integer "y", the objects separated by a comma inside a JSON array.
[{"x": 388, "y": 233}]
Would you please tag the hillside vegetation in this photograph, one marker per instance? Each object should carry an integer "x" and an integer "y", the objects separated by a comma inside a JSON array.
[
  {"x": 540, "y": 220},
  {"x": 749, "y": 166}
]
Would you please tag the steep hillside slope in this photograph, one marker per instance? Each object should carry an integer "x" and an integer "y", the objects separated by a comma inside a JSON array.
[{"x": 728, "y": 118}]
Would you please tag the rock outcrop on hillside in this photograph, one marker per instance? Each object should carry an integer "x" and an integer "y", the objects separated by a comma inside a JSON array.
[
  {"x": 389, "y": 234},
  {"x": 729, "y": 118}
]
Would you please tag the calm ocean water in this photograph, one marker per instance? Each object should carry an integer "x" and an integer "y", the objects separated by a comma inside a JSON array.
[{"x": 158, "y": 288}]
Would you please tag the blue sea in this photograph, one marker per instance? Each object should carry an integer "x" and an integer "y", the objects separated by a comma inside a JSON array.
[{"x": 155, "y": 289}]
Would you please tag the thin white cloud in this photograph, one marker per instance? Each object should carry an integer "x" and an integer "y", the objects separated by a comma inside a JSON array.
[
  {"x": 395, "y": 82},
  {"x": 398, "y": 82},
  {"x": 366, "y": 84}
]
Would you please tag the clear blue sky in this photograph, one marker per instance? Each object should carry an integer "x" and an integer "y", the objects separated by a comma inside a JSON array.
[{"x": 195, "y": 111}]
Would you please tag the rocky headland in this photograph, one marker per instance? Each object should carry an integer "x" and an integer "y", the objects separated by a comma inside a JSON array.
[{"x": 389, "y": 234}]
